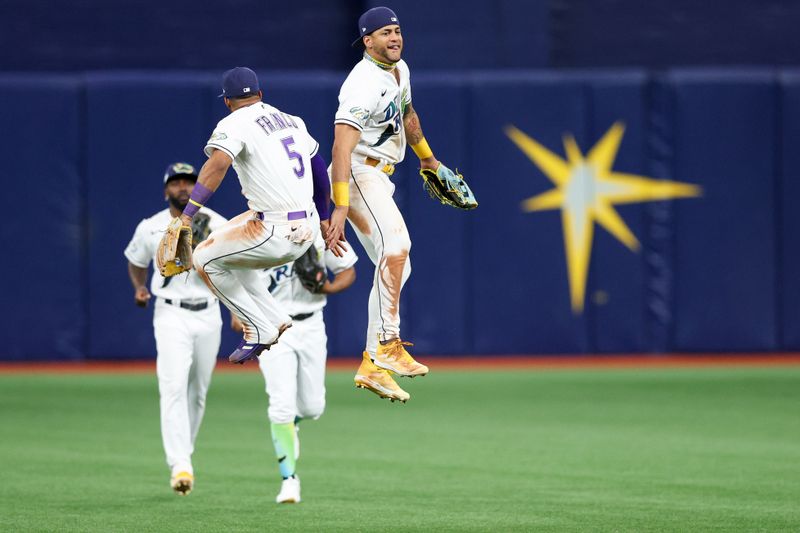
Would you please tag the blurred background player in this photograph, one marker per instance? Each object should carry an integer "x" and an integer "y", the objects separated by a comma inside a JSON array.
[
  {"x": 186, "y": 323},
  {"x": 294, "y": 369},
  {"x": 374, "y": 121},
  {"x": 282, "y": 176}
]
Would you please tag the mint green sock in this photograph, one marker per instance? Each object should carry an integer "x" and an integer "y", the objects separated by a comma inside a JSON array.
[{"x": 283, "y": 440}]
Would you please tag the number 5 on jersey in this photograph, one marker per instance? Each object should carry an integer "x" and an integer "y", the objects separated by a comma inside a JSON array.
[{"x": 288, "y": 142}]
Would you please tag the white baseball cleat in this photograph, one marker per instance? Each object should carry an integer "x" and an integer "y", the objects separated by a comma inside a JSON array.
[{"x": 290, "y": 491}]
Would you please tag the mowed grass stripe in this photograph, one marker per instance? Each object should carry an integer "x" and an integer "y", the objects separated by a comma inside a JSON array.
[{"x": 606, "y": 450}]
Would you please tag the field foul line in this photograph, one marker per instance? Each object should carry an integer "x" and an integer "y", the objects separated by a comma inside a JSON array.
[{"x": 445, "y": 363}]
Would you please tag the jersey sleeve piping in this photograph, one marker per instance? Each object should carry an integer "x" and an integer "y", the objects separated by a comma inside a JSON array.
[
  {"x": 219, "y": 147},
  {"x": 356, "y": 125}
]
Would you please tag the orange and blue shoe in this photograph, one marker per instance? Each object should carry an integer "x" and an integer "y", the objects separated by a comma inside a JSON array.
[
  {"x": 392, "y": 356},
  {"x": 379, "y": 381}
]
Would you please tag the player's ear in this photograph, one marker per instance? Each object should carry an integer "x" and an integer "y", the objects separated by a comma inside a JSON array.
[{"x": 260, "y": 95}]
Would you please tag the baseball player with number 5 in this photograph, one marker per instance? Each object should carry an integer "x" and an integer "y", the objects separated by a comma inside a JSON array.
[
  {"x": 374, "y": 122},
  {"x": 186, "y": 323},
  {"x": 283, "y": 178}
]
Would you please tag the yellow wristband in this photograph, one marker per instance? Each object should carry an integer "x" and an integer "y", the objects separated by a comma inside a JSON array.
[
  {"x": 422, "y": 149},
  {"x": 341, "y": 193}
]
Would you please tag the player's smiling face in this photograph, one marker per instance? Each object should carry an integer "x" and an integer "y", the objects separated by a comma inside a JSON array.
[{"x": 385, "y": 44}]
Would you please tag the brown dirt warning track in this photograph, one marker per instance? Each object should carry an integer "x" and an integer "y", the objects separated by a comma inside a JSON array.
[{"x": 446, "y": 363}]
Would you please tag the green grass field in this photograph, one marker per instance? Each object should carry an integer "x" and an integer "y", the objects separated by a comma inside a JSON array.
[{"x": 715, "y": 449}]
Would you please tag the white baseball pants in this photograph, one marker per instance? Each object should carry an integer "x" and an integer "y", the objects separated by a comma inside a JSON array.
[
  {"x": 380, "y": 228},
  {"x": 229, "y": 260},
  {"x": 187, "y": 343},
  {"x": 294, "y": 371}
]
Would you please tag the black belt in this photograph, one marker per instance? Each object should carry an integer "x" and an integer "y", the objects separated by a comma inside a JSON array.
[
  {"x": 301, "y": 316},
  {"x": 186, "y": 305}
]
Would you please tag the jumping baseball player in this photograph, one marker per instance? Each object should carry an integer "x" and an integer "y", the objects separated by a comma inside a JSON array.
[
  {"x": 294, "y": 369},
  {"x": 187, "y": 326},
  {"x": 279, "y": 170},
  {"x": 374, "y": 122}
]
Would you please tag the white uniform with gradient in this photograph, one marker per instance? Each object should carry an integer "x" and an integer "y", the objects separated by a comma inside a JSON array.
[
  {"x": 372, "y": 100},
  {"x": 294, "y": 369},
  {"x": 271, "y": 152},
  {"x": 187, "y": 341}
]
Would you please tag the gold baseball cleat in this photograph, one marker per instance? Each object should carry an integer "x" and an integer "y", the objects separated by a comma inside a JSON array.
[
  {"x": 182, "y": 483},
  {"x": 393, "y": 357},
  {"x": 379, "y": 381}
]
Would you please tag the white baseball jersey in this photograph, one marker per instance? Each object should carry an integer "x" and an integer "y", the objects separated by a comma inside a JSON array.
[
  {"x": 271, "y": 153},
  {"x": 142, "y": 250},
  {"x": 372, "y": 101},
  {"x": 286, "y": 287}
]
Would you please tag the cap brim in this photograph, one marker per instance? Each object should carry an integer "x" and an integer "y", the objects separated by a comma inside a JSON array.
[
  {"x": 178, "y": 176},
  {"x": 358, "y": 43}
]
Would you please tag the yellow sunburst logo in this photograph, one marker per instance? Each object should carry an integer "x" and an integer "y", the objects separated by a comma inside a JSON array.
[{"x": 586, "y": 191}]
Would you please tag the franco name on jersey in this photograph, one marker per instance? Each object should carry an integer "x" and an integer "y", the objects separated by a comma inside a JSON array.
[{"x": 276, "y": 122}]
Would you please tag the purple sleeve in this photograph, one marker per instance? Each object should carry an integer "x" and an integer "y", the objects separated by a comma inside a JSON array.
[{"x": 322, "y": 186}]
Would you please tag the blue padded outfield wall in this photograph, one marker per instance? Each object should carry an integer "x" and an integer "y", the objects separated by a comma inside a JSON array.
[{"x": 84, "y": 156}]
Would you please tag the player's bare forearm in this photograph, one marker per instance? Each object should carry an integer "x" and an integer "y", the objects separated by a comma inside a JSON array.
[
  {"x": 344, "y": 142},
  {"x": 211, "y": 175},
  {"x": 138, "y": 276},
  {"x": 414, "y": 135},
  {"x": 412, "y": 126},
  {"x": 340, "y": 282},
  {"x": 345, "y": 139}
]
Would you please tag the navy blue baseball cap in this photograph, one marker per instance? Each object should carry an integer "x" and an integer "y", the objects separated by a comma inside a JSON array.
[
  {"x": 374, "y": 19},
  {"x": 239, "y": 81},
  {"x": 179, "y": 170}
]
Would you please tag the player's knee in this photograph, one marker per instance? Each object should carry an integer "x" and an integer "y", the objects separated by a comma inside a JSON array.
[
  {"x": 402, "y": 243},
  {"x": 199, "y": 257},
  {"x": 199, "y": 401},
  {"x": 281, "y": 414},
  {"x": 172, "y": 393},
  {"x": 313, "y": 410}
]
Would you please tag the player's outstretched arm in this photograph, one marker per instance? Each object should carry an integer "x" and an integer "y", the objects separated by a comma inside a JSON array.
[
  {"x": 211, "y": 175},
  {"x": 416, "y": 139},
  {"x": 138, "y": 277},
  {"x": 345, "y": 139},
  {"x": 340, "y": 281}
]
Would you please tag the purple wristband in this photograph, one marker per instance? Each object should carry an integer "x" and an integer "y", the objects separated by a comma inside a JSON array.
[
  {"x": 190, "y": 210},
  {"x": 322, "y": 186},
  {"x": 200, "y": 195}
]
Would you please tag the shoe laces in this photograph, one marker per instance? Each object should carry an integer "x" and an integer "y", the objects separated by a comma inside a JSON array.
[{"x": 397, "y": 350}]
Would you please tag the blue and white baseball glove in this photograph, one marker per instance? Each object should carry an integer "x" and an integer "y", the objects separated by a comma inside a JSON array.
[{"x": 448, "y": 187}]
